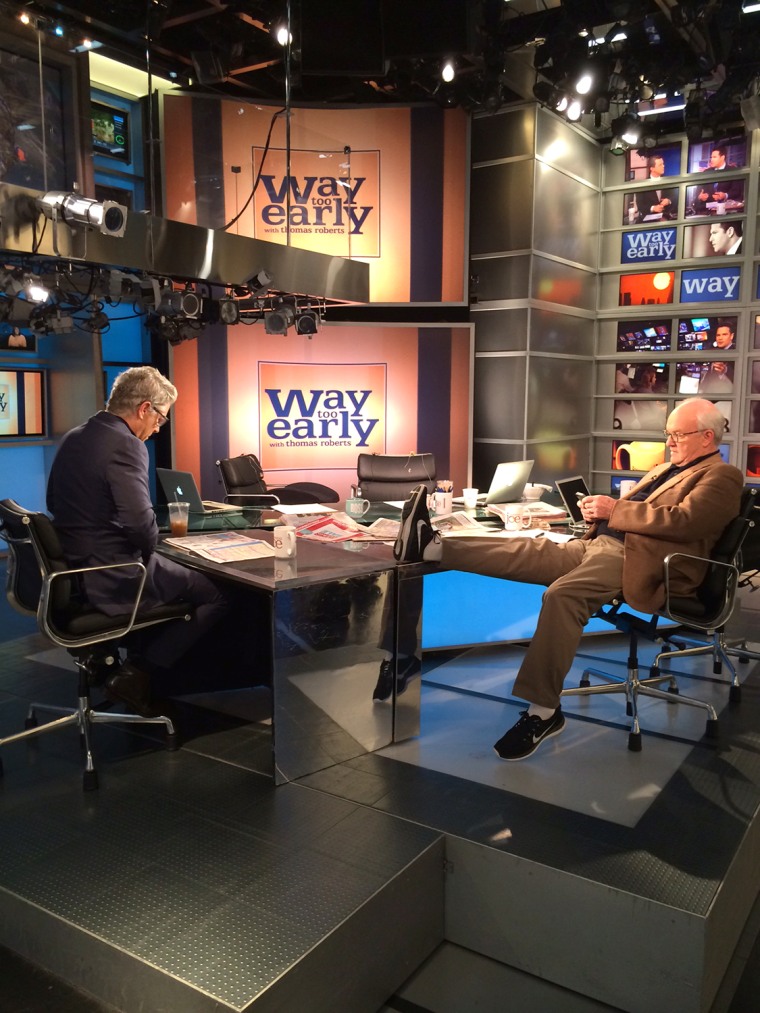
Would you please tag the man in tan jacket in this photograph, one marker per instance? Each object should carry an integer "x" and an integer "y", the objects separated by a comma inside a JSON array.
[{"x": 682, "y": 506}]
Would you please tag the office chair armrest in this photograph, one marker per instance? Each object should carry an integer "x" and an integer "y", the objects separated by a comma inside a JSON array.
[
  {"x": 112, "y": 634},
  {"x": 732, "y": 577},
  {"x": 263, "y": 499}
]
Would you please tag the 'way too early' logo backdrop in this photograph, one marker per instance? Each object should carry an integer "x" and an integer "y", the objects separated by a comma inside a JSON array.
[
  {"x": 334, "y": 200},
  {"x": 320, "y": 416}
]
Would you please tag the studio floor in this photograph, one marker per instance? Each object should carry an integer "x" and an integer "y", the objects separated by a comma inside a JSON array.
[{"x": 226, "y": 864}]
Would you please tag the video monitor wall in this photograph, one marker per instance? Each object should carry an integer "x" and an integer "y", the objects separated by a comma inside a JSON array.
[
  {"x": 699, "y": 334},
  {"x": 22, "y": 402},
  {"x": 705, "y": 378},
  {"x": 664, "y": 160},
  {"x": 643, "y": 336},
  {"x": 642, "y": 377},
  {"x": 641, "y": 414},
  {"x": 646, "y": 289},
  {"x": 719, "y": 196},
  {"x": 655, "y": 205},
  {"x": 718, "y": 155},
  {"x": 721, "y": 237}
]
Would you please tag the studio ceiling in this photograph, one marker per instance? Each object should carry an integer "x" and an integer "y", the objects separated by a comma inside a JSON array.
[{"x": 391, "y": 50}]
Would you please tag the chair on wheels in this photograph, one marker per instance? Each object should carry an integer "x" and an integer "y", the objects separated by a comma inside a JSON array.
[
  {"x": 40, "y": 583},
  {"x": 393, "y": 476},
  {"x": 708, "y": 610},
  {"x": 738, "y": 549},
  {"x": 243, "y": 480}
]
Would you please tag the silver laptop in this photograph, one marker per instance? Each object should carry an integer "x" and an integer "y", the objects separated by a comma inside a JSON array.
[
  {"x": 180, "y": 485},
  {"x": 569, "y": 488},
  {"x": 507, "y": 484}
]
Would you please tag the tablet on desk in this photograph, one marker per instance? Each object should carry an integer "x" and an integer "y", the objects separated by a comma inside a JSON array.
[{"x": 568, "y": 488}]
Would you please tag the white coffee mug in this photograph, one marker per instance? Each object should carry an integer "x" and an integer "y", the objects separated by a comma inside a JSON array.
[
  {"x": 517, "y": 519},
  {"x": 443, "y": 502},
  {"x": 356, "y": 506},
  {"x": 627, "y": 485},
  {"x": 284, "y": 541}
]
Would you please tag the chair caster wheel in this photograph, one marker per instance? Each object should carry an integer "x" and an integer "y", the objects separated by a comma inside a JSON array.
[
  {"x": 654, "y": 671},
  {"x": 673, "y": 690},
  {"x": 628, "y": 709},
  {"x": 734, "y": 694},
  {"x": 31, "y": 722},
  {"x": 1, "y": 768},
  {"x": 584, "y": 683},
  {"x": 743, "y": 660},
  {"x": 634, "y": 742},
  {"x": 172, "y": 741},
  {"x": 717, "y": 668},
  {"x": 711, "y": 731},
  {"x": 90, "y": 780}
]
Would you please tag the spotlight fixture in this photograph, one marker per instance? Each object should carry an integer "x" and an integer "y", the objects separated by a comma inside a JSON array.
[
  {"x": 750, "y": 6},
  {"x": 75, "y": 210},
  {"x": 259, "y": 283},
  {"x": 448, "y": 71},
  {"x": 229, "y": 311},
  {"x": 307, "y": 322},
  {"x": 627, "y": 128},
  {"x": 186, "y": 304},
  {"x": 574, "y": 110},
  {"x": 279, "y": 318}
]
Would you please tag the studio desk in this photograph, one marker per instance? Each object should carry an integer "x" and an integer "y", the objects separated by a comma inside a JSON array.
[{"x": 322, "y": 624}]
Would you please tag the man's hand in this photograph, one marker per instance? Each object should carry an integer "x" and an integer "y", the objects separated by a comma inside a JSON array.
[{"x": 596, "y": 508}]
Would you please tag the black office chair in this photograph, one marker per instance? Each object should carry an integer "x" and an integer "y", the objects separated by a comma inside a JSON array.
[
  {"x": 393, "y": 476},
  {"x": 739, "y": 549},
  {"x": 708, "y": 610},
  {"x": 244, "y": 484},
  {"x": 40, "y": 583}
]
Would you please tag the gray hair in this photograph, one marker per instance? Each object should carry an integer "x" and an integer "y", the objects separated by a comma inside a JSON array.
[
  {"x": 709, "y": 417},
  {"x": 138, "y": 384}
]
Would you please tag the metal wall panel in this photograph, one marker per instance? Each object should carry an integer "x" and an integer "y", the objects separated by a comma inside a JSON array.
[
  {"x": 566, "y": 217},
  {"x": 562, "y": 283},
  {"x": 564, "y": 147},
  {"x": 499, "y": 408},
  {"x": 504, "y": 135},
  {"x": 500, "y": 278},
  {"x": 501, "y": 207},
  {"x": 560, "y": 332},
  {"x": 560, "y": 396},
  {"x": 500, "y": 330}
]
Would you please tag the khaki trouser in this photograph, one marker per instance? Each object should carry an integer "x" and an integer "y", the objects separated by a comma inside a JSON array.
[{"x": 579, "y": 577}]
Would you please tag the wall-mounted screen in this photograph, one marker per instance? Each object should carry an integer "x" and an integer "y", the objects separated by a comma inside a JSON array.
[
  {"x": 22, "y": 402},
  {"x": 708, "y": 378},
  {"x": 646, "y": 289},
  {"x": 637, "y": 455},
  {"x": 754, "y": 417},
  {"x": 640, "y": 415},
  {"x": 641, "y": 377},
  {"x": 718, "y": 155},
  {"x": 755, "y": 379},
  {"x": 711, "y": 284},
  {"x": 699, "y": 334},
  {"x": 753, "y": 461},
  {"x": 17, "y": 339},
  {"x": 644, "y": 163},
  {"x": 650, "y": 205},
  {"x": 757, "y": 332},
  {"x": 715, "y": 197},
  {"x": 643, "y": 336},
  {"x": 648, "y": 244},
  {"x": 110, "y": 132},
  {"x": 721, "y": 237}
]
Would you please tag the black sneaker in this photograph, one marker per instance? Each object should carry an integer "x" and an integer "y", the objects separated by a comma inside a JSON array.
[
  {"x": 527, "y": 735},
  {"x": 407, "y": 669},
  {"x": 416, "y": 530}
]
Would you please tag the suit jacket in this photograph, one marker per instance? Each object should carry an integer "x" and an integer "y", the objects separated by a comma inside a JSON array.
[
  {"x": 687, "y": 514},
  {"x": 99, "y": 496}
]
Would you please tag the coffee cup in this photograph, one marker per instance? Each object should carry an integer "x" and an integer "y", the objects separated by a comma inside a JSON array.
[
  {"x": 178, "y": 514},
  {"x": 356, "y": 506},
  {"x": 517, "y": 519},
  {"x": 627, "y": 485},
  {"x": 470, "y": 498},
  {"x": 641, "y": 455},
  {"x": 443, "y": 503},
  {"x": 284, "y": 541}
]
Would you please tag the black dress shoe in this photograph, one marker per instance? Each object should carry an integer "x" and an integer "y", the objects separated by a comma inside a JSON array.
[{"x": 130, "y": 685}]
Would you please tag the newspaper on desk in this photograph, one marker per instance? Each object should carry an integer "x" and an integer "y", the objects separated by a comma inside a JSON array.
[{"x": 223, "y": 546}]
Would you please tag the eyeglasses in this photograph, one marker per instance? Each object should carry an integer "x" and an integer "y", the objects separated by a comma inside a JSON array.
[
  {"x": 680, "y": 437},
  {"x": 162, "y": 419}
]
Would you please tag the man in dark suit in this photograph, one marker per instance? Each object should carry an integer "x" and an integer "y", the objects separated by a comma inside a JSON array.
[{"x": 99, "y": 497}]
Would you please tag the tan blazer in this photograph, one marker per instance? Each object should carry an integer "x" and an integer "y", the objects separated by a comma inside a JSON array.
[{"x": 687, "y": 514}]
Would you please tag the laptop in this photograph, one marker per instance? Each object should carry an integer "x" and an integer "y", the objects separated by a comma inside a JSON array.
[
  {"x": 180, "y": 485},
  {"x": 568, "y": 489},
  {"x": 507, "y": 484}
]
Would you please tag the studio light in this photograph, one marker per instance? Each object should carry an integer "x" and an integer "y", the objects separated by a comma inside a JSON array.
[
  {"x": 627, "y": 128},
  {"x": 229, "y": 311},
  {"x": 750, "y": 6},
  {"x": 186, "y": 304},
  {"x": 75, "y": 210},
  {"x": 260, "y": 283},
  {"x": 279, "y": 319},
  {"x": 574, "y": 110},
  {"x": 307, "y": 322},
  {"x": 448, "y": 72}
]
